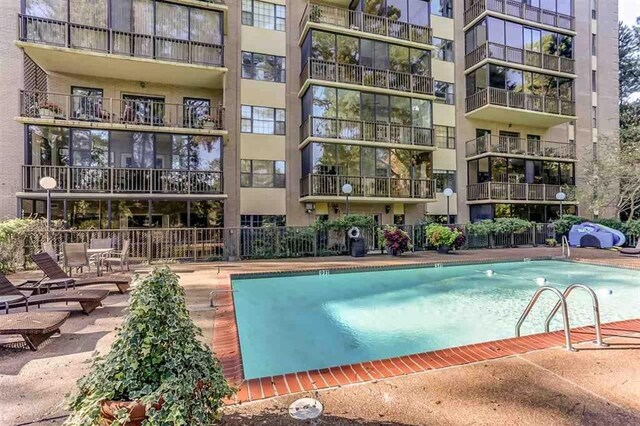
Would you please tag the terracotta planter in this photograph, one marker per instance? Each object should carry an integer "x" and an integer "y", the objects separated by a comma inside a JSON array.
[{"x": 138, "y": 412}]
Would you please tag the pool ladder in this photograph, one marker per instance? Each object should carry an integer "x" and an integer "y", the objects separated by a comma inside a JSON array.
[
  {"x": 562, "y": 304},
  {"x": 566, "y": 248}
]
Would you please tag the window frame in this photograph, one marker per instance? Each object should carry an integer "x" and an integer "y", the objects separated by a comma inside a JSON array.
[
  {"x": 278, "y": 180},
  {"x": 248, "y": 17},
  {"x": 278, "y": 77},
  {"x": 277, "y": 124}
]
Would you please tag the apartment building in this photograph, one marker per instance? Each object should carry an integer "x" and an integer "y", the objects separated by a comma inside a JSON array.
[{"x": 209, "y": 113}]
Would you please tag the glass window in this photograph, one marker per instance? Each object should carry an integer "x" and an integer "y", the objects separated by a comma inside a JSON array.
[
  {"x": 324, "y": 102},
  {"x": 49, "y": 146},
  {"x": 401, "y": 110},
  {"x": 348, "y": 104},
  {"x": 496, "y": 30},
  {"x": 445, "y": 179},
  {"x": 399, "y": 58},
  {"x": 549, "y": 43},
  {"x": 51, "y": 9},
  {"x": 444, "y": 92},
  {"x": 348, "y": 50},
  {"x": 445, "y": 137},
  {"x": 257, "y": 66},
  {"x": 263, "y": 15},
  {"x": 421, "y": 110},
  {"x": 172, "y": 20},
  {"x": 532, "y": 39},
  {"x": 422, "y": 165},
  {"x": 514, "y": 35},
  {"x": 420, "y": 62},
  {"x": 206, "y": 26},
  {"x": 442, "y": 8},
  {"x": 419, "y": 13},
  {"x": 497, "y": 76},
  {"x": 323, "y": 46},
  {"x": 90, "y": 148},
  {"x": 565, "y": 48},
  {"x": 444, "y": 50},
  {"x": 206, "y": 153},
  {"x": 263, "y": 120},
  {"x": 93, "y": 13},
  {"x": 514, "y": 80},
  {"x": 87, "y": 103},
  {"x": 262, "y": 174}
]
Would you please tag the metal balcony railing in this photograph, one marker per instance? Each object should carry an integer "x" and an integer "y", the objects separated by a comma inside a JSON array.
[
  {"x": 366, "y": 76},
  {"x": 521, "y": 10},
  {"x": 503, "y": 191},
  {"x": 519, "y": 146},
  {"x": 357, "y": 130},
  {"x": 519, "y": 56},
  {"x": 137, "y": 111},
  {"x": 115, "y": 180},
  {"x": 107, "y": 40},
  {"x": 360, "y": 21},
  {"x": 520, "y": 100},
  {"x": 384, "y": 187}
]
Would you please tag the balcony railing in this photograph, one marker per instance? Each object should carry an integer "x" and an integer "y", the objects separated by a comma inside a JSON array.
[
  {"x": 503, "y": 191},
  {"x": 107, "y": 40},
  {"x": 366, "y": 76},
  {"x": 519, "y": 56},
  {"x": 114, "y": 180},
  {"x": 518, "y": 146},
  {"x": 366, "y": 131},
  {"x": 520, "y": 100},
  {"x": 384, "y": 187},
  {"x": 98, "y": 109},
  {"x": 359, "y": 21},
  {"x": 521, "y": 10}
]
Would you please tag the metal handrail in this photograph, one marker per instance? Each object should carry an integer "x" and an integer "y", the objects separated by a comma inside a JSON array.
[
  {"x": 596, "y": 311},
  {"x": 565, "y": 245},
  {"x": 565, "y": 316}
]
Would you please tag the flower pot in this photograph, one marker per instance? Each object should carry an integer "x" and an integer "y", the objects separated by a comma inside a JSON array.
[
  {"x": 393, "y": 252},
  {"x": 209, "y": 125},
  {"x": 46, "y": 112},
  {"x": 444, "y": 249},
  {"x": 138, "y": 412}
]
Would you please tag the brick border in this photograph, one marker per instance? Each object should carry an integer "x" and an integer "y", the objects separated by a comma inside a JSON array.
[{"x": 226, "y": 343}]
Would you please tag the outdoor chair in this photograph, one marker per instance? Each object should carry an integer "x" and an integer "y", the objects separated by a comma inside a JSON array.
[
  {"x": 48, "y": 248},
  {"x": 57, "y": 278},
  {"x": 34, "y": 327},
  {"x": 631, "y": 251},
  {"x": 11, "y": 297},
  {"x": 76, "y": 256},
  {"x": 121, "y": 258},
  {"x": 100, "y": 243}
]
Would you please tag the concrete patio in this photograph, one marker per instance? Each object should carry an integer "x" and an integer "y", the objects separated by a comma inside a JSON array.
[{"x": 542, "y": 387}]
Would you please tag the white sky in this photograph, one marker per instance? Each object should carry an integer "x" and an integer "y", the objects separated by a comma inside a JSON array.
[{"x": 629, "y": 11}]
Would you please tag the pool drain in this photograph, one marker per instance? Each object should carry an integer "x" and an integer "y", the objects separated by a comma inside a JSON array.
[{"x": 305, "y": 409}]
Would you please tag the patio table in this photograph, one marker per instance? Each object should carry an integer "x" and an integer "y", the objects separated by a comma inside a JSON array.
[{"x": 101, "y": 253}]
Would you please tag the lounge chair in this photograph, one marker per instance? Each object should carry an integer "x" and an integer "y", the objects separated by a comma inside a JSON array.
[
  {"x": 57, "y": 278},
  {"x": 48, "y": 248},
  {"x": 631, "y": 251},
  {"x": 11, "y": 297},
  {"x": 34, "y": 327}
]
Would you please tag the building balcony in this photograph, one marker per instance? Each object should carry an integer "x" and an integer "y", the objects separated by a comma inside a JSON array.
[
  {"x": 320, "y": 129},
  {"x": 509, "y": 107},
  {"x": 347, "y": 75},
  {"x": 315, "y": 187},
  {"x": 110, "y": 113},
  {"x": 518, "y": 193},
  {"x": 357, "y": 23},
  {"x": 122, "y": 181},
  {"x": 73, "y": 48},
  {"x": 519, "y": 10},
  {"x": 520, "y": 147},
  {"x": 526, "y": 58}
]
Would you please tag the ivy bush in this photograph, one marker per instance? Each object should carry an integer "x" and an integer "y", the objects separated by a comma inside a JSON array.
[{"x": 156, "y": 357}]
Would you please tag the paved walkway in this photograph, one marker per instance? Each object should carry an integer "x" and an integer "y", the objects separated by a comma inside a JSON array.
[{"x": 543, "y": 387}]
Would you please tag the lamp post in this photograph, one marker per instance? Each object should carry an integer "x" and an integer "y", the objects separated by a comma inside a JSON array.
[
  {"x": 347, "y": 189},
  {"x": 48, "y": 183},
  {"x": 561, "y": 196},
  {"x": 448, "y": 192}
]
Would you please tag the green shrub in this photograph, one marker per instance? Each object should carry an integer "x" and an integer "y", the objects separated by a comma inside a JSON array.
[
  {"x": 344, "y": 223},
  {"x": 511, "y": 225},
  {"x": 563, "y": 226},
  {"x": 480, "y": 228},
  {"x": 155, "y": 357},
  {"x": 616, "y": 224},
  {"x": 633, "y": 228},
  {"x": 19, "y": 238},
  {"x": 439, "y": 235}
]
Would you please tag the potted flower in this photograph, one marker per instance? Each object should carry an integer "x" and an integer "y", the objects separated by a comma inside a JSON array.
[
  {"x": 157, "y": 372},
  {"x": 442, "y": 237},
  {"x": 396, "y": 241},
  {"x": 49, "y": 109},
  {"x": 460, "y": 240},
  {"x": 208, "y": 122}
]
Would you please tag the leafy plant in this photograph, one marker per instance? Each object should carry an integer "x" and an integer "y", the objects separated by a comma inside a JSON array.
[
  {"x": 344, "y": 223},
  {"x": 633, "y": 228},
  {"x": 440, "y": 235},
  {"x": 480, "y": 228},
  {"x": 511, "y": 225},
  {"x": 19, "y": 238},
  {"x": 551, "y": 242},
  {"x": 460, "y": 240},
  {"x": 396, "y": 240},
  {"x": 563, "y": 226},
  {"x": 156, "y": 359}
]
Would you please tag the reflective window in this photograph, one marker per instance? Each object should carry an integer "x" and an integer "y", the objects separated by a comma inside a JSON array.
[
  {"x": 258, "y": 66},
  {"x": 262, "y": 174},
  {"x": 263, "y": 120}
]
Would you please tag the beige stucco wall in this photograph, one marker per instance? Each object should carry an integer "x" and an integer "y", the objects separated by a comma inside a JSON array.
[
  {"x": 263, "y": 40},
  {"x": 269, "y": 201},
  {"x": 263, "y": 93},
  {"x": 262, "y": 147},
  {"x": 11, "y": 132}
]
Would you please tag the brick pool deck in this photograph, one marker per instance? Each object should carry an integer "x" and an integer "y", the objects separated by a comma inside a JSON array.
[{"x": 227, "y": 346}]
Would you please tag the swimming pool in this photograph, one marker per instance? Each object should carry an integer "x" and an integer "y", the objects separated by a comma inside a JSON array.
[{"x": 292, "y": 323}]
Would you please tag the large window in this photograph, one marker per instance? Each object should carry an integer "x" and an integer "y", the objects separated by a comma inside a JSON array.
[
  {"x": 259, "y": 220},
  {"x": 500, "y": 77},
  {"x": 258, "y": 66},
  {"x": 263, "y": 15},
  {"x": 516, "y": 170},
  {"x": 445, "y": 179},
  {"x": 445, "y": 137},
  {"x": 444, "y": 50},
  {"x": 263, "y": 120},
  {"x": 442, "y": 8},
  {"x": 445, "y": 92},
  {"x": 262, "y": 174},
  {"x": 411, "y": 11}
]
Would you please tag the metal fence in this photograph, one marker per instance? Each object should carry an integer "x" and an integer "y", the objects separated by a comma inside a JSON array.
[{"x": 210, "y": 244}]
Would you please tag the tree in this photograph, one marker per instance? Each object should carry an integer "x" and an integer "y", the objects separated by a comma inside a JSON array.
[
  {"x": 613, "y": 176},
  {"x": 629, "y": 68}
]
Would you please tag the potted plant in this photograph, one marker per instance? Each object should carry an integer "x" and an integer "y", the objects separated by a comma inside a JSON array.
[
  {"x": 396, "y": 240},
  {"x": 49, "y": 109},
  {"x": 442, "y": 237},
  {"x": 157, "y": 372},
  {"x": 207, "y": 122}
]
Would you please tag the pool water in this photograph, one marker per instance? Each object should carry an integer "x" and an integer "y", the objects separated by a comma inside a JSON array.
[{"x": 297, "y": 323}]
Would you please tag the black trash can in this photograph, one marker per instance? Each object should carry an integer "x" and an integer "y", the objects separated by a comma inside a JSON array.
[{"x": 358, "y": 247}]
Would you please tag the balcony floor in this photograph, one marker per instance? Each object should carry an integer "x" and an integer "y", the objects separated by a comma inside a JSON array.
[
  {"x": 523, "y": 117},
  {"x": 365, "y": 200},
  {"x": 96, "y": 64}
]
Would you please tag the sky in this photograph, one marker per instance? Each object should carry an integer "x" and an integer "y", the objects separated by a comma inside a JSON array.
[{"x": 629, "y": 10}]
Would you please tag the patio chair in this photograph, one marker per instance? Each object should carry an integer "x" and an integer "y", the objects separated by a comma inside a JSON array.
[
  {"x": 76, "y": 256},
  {"x": 121, "y": 258},
  {"x": 57, "y": 278},
  {"x": 100, "y": 243},
  {"x": 12, "y": 297},
  {"x": 631, "y": 251},
  {"x": 48, "y": 248},
  {"x": 34, "y": 327}
]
